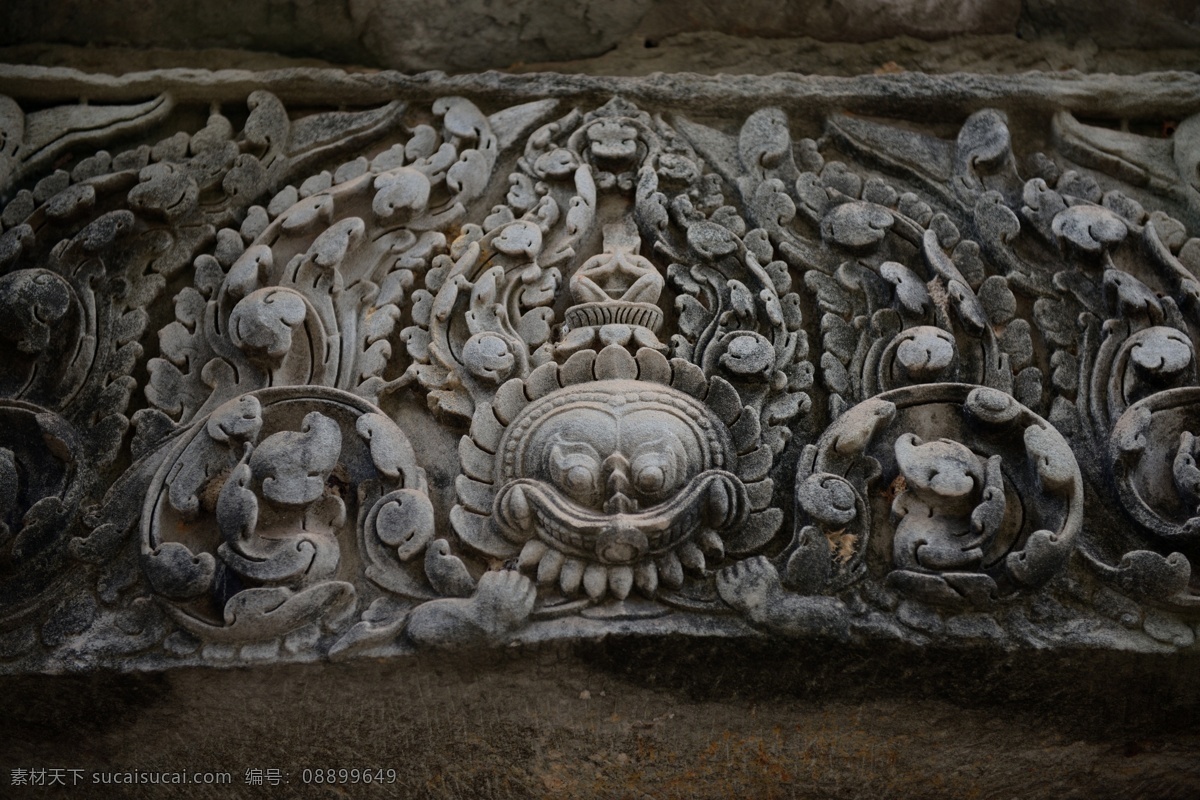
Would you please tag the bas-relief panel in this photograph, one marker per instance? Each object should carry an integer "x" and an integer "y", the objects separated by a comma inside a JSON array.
[{"x": 459, "y": 373}]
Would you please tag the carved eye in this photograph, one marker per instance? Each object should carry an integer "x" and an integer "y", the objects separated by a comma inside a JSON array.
[
  {"x": 650, "y": 480},
  {"x": 655, "y": 471},
  {"x": 575, "y": 469},
  {"x": 579, "y": 479}
]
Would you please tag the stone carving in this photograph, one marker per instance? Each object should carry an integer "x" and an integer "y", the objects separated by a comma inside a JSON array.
[
  {"x": 464, "y": 372},
  {"x": 601, "y": 457},
  {"x": 31, "y": 142},
  {"x": 607, "y": 483},
  {"x": 988, "y": 507},
  {"x": 1167, "y": 167},
  {"x": 1161, "y": 499}
]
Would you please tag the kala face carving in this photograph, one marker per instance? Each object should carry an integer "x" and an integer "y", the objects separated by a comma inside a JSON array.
[{"x": 617, "y": 475}]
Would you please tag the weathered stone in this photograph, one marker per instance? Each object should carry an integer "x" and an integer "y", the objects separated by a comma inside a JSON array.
[
  {"x": 405, "y": 35},
  {"x": 500, "y": 363}
]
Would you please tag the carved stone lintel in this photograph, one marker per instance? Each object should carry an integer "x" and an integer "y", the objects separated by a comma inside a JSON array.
[{"x": 478, "y": 370}]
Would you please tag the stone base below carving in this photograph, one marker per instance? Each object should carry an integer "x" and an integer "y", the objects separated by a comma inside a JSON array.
[{"x": 667, "y": 719}]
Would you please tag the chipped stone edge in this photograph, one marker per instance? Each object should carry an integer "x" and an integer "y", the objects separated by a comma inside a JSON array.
[{"x": 1154, "y": 93}]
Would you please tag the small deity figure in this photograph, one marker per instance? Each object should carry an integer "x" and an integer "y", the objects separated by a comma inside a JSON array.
[
  {"x": 616, "y": 295},
  {"x": 618, "y": 273}
]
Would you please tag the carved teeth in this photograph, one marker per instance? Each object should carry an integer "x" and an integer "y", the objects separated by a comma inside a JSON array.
[
  {"x": 645, "y": 577},
  {"x": 550, "y": 567},
  {"x": 595, "y": 581},
  {"x": 711, "y": 544},
  {"x": 531, "y": 554},
  {"x": 670, "y": 570},
  {"x": 691, "y": 557},
  {"x": 571, "y": 576},
  {"x": 620, "y": 580},
  {"x": 615, "y": 537}
]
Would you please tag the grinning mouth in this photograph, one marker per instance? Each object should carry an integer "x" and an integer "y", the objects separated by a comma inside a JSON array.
[{"x": 714, "y": 499}]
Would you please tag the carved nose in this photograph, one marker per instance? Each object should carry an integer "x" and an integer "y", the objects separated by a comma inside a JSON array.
[{"x": 616, "y": 467}]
